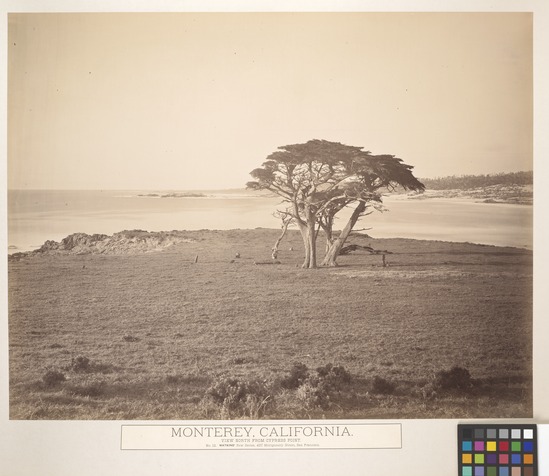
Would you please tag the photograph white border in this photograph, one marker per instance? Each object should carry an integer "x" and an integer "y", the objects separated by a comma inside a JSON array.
[{"x": 428, "y": 446}]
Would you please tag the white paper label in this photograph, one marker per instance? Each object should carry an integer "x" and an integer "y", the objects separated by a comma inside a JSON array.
[{"x": 262, "y": 436}]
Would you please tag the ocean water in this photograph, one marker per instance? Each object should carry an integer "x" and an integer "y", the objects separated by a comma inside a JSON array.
[{"x": 35, "y": 216}]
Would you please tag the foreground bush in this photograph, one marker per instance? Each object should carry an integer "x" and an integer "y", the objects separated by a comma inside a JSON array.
[
  {"x": 382, "y": 386},
  {"x": 318, "y": 391},
  {"x": 298, "y": 374},
  {"x": 53, "y": 378},
  {"x": 457, "y": 378},
  {"x": 238, "y": 398},
  {"x": 253, "y": 398}
]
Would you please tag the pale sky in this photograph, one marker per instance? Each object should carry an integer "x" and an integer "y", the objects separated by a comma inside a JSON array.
[{"x": 196, "y": 101}]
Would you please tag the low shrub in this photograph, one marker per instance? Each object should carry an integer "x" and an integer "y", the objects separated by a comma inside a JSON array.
[
  {"x": 53, "y": 378},
  {"x": 318, "y": 391},
  {"x": 298, "y": 374},
  {"x": 239, "y": 397},
  {"x": 457, "y": 378},
  {"x": 253, "y": 398},
  {"x": 80, "y": 364},
  {"x": 335, "y": 377},
  {"x": 382, "y": 386},
  {"x": 314, "y": 393}
]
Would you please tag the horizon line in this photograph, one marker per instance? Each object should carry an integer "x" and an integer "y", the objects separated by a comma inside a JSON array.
[{"x": 491, "y": 174}]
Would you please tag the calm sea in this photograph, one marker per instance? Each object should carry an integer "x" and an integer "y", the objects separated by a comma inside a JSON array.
[{"x": 35, "y": 216}]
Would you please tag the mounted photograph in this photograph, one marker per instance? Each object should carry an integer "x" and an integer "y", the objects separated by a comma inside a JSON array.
[{"x": 270, "y": 216}]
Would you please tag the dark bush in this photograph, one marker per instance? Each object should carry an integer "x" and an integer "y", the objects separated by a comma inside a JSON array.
[
  {"x": 320, "y": 390},
  {"x": 80, "y": 364},
  {"x": 52, "y": 378},
  {"x": 298, "y": 374},
  {"x": 314, "y": 393},
  {"x": 457, "y": 378},
  {"x": 334, "y": 377},
  {"x": 240, "y": 398},
  {"x": 382, "y": 386}
]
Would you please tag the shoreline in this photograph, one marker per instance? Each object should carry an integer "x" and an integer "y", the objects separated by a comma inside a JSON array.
[
  {"x": 477, "y": 219},
  {"x": 132, "y": 242}
]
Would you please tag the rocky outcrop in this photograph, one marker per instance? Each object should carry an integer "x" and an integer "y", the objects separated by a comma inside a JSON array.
[
  {"x": 124, "y": 242},
  {"x": 511, "y": 194},
  {"x": 76, "y": 241}
]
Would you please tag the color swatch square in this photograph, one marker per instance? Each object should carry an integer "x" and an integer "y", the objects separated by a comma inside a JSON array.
[
  {"x": 528, "y": 446},
  {"x": 491, "y": 446},
  {"x": 466, "y": 446},
  {"x": 479, "y": 458},
  {"x": 504, "y": 446},
  {"x": 528, "y": 434},
  {"x": 515, "y": 458},
  {"x": 503, "y": 458},
  {"x": 479, "y": 470},
  {"x": 479, "y": 445},
  {"x": 466, "y": 458},
  {"x": 503, "y": 433},
  {"x": 528, "y": 459},
  {"x": 479, "y": 433},
  {"x": 467, "y": 471},
  {"x": 515, "y": 446},
  {"x": 516, "y": 471},
  {"x": 491, "y": 433},
  {"x": 515, "y": 433},
  {"x": 503, "y": 471},
  {"x": 491, "y": 458},
  {"x": 491, "y": 471}
]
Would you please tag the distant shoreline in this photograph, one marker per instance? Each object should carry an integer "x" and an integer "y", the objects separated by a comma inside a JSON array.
[
  {"x": 518, "y": 194},
  {"x": 497, "y": 194},
  {"x": 166, "y": 203}
]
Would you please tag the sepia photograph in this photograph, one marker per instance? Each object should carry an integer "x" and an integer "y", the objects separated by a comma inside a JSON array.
[{"x": 270, "y": 216}]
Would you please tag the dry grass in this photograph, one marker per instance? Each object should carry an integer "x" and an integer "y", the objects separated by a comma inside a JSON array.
[{"x": 159, "y": 328}]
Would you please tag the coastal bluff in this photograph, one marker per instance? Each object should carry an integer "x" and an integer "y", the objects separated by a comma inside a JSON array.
[{"x": 123, "y": 242}]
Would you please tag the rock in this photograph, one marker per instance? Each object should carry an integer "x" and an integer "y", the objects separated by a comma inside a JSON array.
[{"x": 124, "y": 242}]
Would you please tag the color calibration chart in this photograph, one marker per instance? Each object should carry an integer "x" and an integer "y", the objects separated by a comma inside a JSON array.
[{"x": 497, "y": 450}]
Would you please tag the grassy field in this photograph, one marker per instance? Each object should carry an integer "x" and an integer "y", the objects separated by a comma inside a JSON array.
[{"x": 160, "y": 336}]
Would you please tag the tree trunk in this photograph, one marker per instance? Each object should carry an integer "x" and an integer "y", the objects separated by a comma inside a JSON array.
[
  {"x": 311, "y": 235},
  {"x": 308, "y": 233},
  {"x": 303, "y": 230},
  {"x": 285, "y": 223},
  {"x": 337, "y": 244},
  {"x": 329, "y": 239}
]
